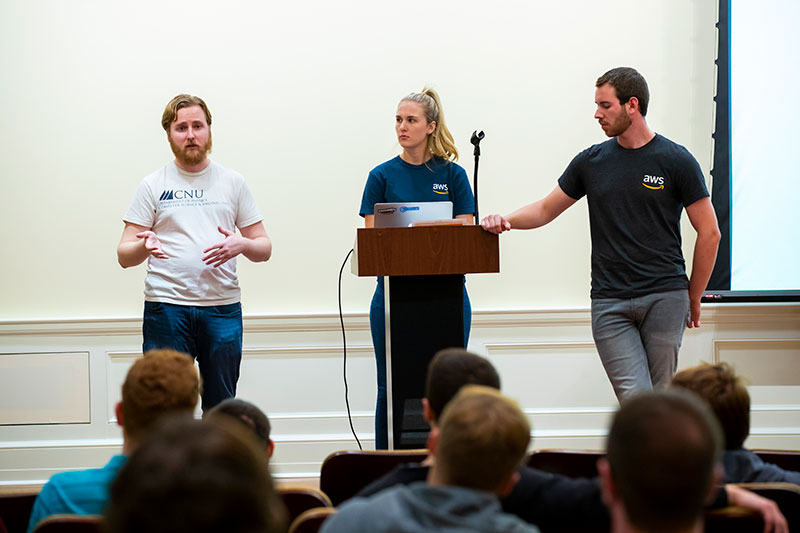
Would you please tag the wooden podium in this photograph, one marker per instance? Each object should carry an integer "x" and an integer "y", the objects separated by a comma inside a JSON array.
[{"x": 424, "y": 305}]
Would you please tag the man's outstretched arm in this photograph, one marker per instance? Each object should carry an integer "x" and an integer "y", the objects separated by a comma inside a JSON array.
[{"x": 532, "y": 215}]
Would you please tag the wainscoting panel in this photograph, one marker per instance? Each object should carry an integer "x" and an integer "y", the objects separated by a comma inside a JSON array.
[
  {"x": 765, "y": 362},
  {"x": 44, "y": 388}
]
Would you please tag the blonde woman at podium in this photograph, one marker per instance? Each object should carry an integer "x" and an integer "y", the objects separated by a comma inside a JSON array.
[{"x": 424, "y": 172}]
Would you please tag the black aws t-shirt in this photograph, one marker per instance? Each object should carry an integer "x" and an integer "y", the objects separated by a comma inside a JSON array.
[{"x": 635, "y": 199}]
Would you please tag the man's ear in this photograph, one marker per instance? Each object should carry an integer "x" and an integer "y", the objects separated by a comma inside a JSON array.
[
  {"x": 433, "y": 439},
  {"x": 717, "y": 480},
  {"x": 427, "y": 412},
  {"x": 118, "y": 414},
  {"x": 508, "y": 485},
  {"x": 632, "y": 105},
  {"x": 270, "y": 448},
  {"x": 606, "y": 482}
]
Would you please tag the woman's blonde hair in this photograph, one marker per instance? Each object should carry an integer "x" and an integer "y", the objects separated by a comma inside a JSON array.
[{"x": 440, "y": 142}]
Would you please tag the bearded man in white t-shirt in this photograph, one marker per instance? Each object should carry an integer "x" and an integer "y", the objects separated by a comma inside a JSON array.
[{"x": 183, "y": 220}]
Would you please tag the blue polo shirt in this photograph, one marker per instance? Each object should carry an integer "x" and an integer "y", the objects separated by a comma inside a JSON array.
[
  {"x": 436, "y": 180},
  {"x": 80, "y": 492}
]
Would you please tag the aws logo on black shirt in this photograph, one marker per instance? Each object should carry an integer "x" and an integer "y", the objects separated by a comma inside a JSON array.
[{"x": 653, "y": 182}]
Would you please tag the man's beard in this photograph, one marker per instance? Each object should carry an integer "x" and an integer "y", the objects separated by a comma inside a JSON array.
[
  {"x": 191, "y": 157},
  {"x": 620, "y": 125}
]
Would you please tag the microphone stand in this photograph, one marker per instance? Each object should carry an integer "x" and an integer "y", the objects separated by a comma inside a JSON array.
[{"x": 476, "y": 139}]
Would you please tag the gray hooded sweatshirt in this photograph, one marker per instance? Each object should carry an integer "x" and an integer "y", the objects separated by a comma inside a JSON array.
[{"x": 419, "y": 507}]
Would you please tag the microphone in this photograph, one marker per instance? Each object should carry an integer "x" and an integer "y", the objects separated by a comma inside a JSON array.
[{"x": 477, "y": 137}]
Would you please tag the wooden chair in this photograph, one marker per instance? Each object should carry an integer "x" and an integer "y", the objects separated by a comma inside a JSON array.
[
  {"x": 345, "y": 473},
  {"x": 311, "y": 521},
  {"x": 786, "y": 459},
  {"x": 786, "y": 495},
  {"x": 68, "y": 523},
  {"x": 15, "y": 510},
  {"x": 300, "y": 499},
  {"x": 572, "y": 463},
  {"x": 733, "y": 520}
]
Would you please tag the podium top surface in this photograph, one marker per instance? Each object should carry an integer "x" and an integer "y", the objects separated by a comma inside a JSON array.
[{"x": 425, "y": 251}]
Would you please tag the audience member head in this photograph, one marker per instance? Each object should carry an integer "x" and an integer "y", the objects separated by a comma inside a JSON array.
[
  {"x": 480, "y": 442},
  {"x": 161, "y": 382},
  {"x": 194, "y": 476},
  {"x": 248, "y": 415},
  {"x": 449, "y": 370},
  {"x": 628, "y": 83},
  {"x": 662, "y": 462},
  {"x": 725, "y": 393}
]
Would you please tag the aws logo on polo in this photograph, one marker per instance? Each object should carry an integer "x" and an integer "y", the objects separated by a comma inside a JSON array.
[
  {"x": 440, "y": 188},
  {"x": 653, "y": 182}
]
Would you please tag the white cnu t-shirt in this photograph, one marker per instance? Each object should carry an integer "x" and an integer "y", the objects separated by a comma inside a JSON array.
[{"x": 184, "y": 210}]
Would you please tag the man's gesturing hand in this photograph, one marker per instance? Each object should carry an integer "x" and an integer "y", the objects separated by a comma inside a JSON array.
[
  {"x": 224, "y": 251},
  {"x": 152, "y": 244}
]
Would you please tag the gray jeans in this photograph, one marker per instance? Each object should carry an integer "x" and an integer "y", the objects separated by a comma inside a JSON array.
[{"x": 638, "y": 338}]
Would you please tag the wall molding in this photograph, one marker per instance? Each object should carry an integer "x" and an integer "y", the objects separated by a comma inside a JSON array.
[
  {"x": 320, "y": 322},
  {"x": 514, "y": 346}
]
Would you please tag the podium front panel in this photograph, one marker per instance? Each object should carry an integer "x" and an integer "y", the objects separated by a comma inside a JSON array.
[{"x": 425, "y": 315}]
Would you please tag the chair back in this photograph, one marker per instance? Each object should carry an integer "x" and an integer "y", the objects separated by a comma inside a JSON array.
[
  {"x": 345, "y": 473},
  {"x": 733, "y": 520},
  {"x": 297, "y": 500},
  {"x": 311, "y": 521},
  {"x": 572, "y": 463},
  {"x": 786, "y": 495},
  {"x": 15, "y": 510},
  {"x": 70, "y": 523},
  {"x": 786, "y": 459}
]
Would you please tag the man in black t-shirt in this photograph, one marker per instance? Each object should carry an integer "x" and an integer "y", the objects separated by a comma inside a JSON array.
[{"x": 637, "y": 184}]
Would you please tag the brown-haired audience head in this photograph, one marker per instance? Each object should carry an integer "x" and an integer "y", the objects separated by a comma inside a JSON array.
[
  {"x": 480, "y": 441},
  {"x": 449, "y": 370},
  {"x": 195, "y": 476},
  {"x": 663, "y": 454},
  {"x": 628, "y": 83},
  {"x": 726, "y": 394},
  {"x": 248, "y": 415},
  {"x": 162, "y": 382}
]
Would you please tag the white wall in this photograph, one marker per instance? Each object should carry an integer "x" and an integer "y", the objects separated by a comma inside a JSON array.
[{"x": 303, "y": 96}]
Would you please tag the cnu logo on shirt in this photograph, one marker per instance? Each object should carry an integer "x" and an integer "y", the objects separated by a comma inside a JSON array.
[
  {"x": 440, "y": 188},
  {"x": 653, "y": 182},
  {"x": 180, "y": 194}
]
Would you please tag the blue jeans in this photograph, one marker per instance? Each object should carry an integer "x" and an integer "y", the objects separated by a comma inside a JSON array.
[
  {"x": 638, "y": 338},
  {"x": 377, "y": 324},
  {"x": 212, "y": 335}
]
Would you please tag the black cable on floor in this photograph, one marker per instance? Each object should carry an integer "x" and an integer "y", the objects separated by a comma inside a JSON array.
[{"x": 344, "y": 351}]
